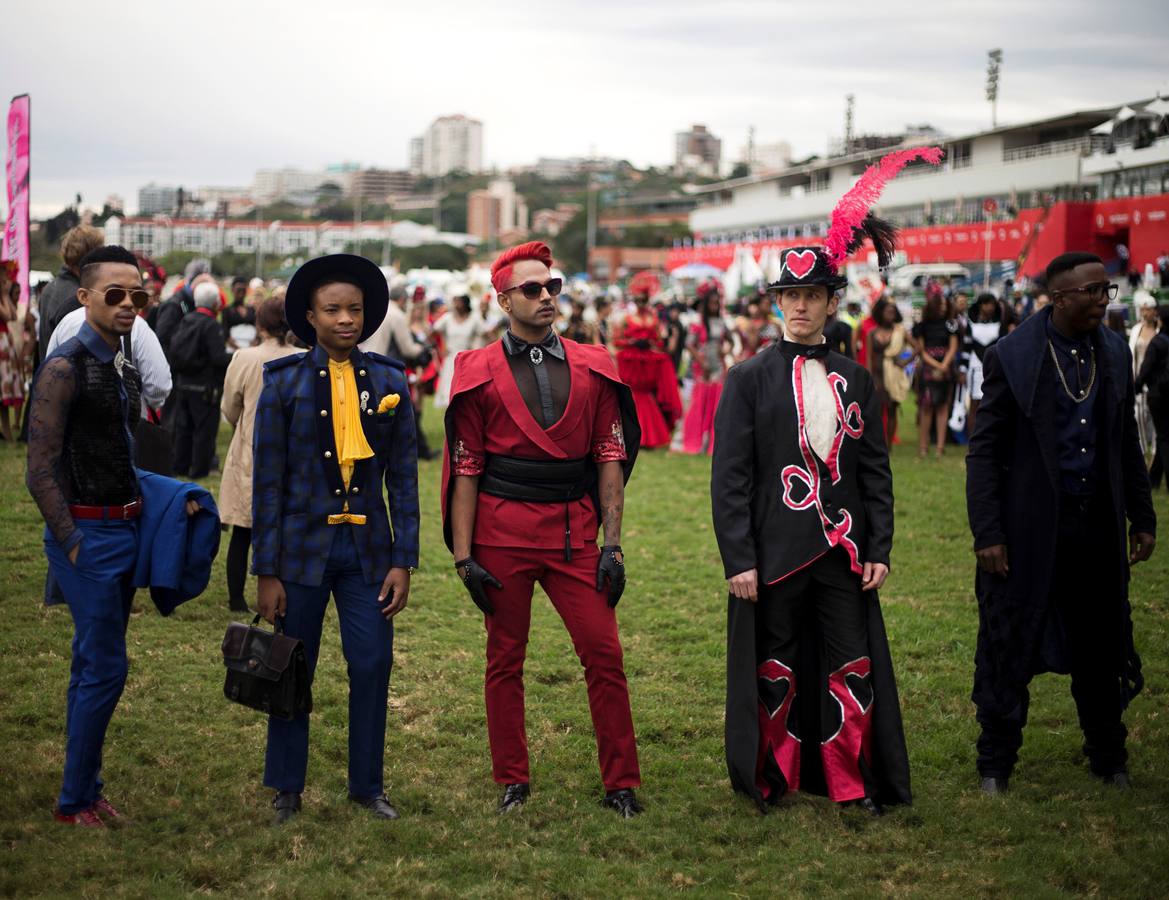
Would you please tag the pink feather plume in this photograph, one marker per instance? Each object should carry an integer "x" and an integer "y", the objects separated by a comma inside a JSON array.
[{"x": 850, "y": 212}]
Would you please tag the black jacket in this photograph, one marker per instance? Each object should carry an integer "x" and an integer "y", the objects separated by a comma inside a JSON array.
[
  {"x": 1154, "y": 373},
  {"x": 205, "y": 333},
  {"x": 765, "y": 516},
  {"x": 57, "y": 300},
  {"x": 1012, "y": 498},
  {"x": 170, "y": 314}
]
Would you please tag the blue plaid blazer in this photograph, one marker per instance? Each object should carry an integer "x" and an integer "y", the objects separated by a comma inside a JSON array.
[{"x": 296, "y": 481}]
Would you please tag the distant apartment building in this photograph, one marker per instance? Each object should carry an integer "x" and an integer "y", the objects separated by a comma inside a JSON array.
[
  {"x": 497, "y": 213},
  {"x": 298, "y": 186},
  {"x": 553, "y": 221},
  {"x": 450, "y": 144},
  {"x": 417, "y": 145},
  {"x": 766, "y": 157},
  {"x": 293, "y": 239},
  {"x": 158, "y": 199},
  {"x": 697, "y": 151},
  {"x": 376, "y": 185}
]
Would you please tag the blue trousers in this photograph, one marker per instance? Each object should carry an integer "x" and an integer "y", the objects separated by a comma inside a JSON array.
[
  {"x": 367, "y": 640},
  {"x": 98, "y": 590}
]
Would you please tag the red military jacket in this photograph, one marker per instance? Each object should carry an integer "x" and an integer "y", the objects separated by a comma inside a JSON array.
[{"x": 487, "y": 415}]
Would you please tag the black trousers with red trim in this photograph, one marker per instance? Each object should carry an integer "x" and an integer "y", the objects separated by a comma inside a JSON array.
[{"x": 830, "y": 591}]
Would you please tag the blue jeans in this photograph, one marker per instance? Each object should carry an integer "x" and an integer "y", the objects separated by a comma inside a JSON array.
[
  {"x": 98, "y": 590},
  {"x": 367, "y": 640}
]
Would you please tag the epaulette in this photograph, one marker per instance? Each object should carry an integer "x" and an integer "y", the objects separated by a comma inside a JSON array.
[
  {"x": 275, "y": 365},
  {"x": 388, "y": 360}
]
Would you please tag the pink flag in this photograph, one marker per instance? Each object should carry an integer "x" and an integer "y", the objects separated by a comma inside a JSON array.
[{"x": 16, "y": 229}]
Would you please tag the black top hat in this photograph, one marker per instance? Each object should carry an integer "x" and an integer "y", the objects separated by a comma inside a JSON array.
[
  {"x": 374, "y": 290},
  {"x": 807, "y": 266}
]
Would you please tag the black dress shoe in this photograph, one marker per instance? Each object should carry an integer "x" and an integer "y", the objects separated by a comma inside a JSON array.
[
  {"x": 380, "y": 806},
  {"x": 1117, "y": 780},
  {"x": 624, "y": 802},
  {"x": 868, "y": 804},
  {"x": 287, "y": 805},
  {"x": 994, "y": 785},
  {"x": 238, "y": 606},
  {"x": 514, "y": 796}
]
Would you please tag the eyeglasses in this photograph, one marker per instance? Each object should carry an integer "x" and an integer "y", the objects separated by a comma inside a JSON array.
[
  {"x": 115, "y": 295},
  {"x": 1094, "y": 291},
  {"x": 533, "y": 289}
]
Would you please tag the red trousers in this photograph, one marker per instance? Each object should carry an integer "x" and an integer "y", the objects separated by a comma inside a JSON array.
[{"x": 592, "y": 625}]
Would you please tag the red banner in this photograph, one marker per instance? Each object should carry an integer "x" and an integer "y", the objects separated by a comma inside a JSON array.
[{"x": 16, "y": 229}]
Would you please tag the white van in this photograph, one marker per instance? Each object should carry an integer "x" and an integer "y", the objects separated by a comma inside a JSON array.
[{"x": 909, "y": 281}]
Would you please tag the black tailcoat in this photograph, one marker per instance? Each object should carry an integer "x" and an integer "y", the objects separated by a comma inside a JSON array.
[
  {"x": 773, "y": 513},
  {"x": 1012, "y": 498}
]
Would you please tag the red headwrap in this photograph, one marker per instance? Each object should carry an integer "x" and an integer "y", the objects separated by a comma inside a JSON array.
[
  {"x": 501, "y": 268},
  {"x": 644, "y": 284}
]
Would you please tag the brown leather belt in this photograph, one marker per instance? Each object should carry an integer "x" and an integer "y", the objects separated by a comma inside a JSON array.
[{"x": 131, "y": 510}]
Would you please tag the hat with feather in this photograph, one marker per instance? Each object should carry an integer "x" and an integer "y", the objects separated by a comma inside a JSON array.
[{"x": 851, "y": 225}]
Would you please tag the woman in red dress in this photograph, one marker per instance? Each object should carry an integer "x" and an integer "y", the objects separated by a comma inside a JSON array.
[{"x": 643, "y": 364}]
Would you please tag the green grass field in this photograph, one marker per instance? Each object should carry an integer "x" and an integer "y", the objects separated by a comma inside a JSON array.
[{"x": 186, "y": 764}]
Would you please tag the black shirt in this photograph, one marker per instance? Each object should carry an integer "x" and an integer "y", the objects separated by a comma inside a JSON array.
[
  {"x": 1075, "y": 422},
  {"x": 522, "y": 360}
]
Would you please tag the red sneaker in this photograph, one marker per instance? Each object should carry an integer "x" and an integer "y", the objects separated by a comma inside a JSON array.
[
  {"x": 107, "y": 810},
  {"x": 86, "y": 818}
]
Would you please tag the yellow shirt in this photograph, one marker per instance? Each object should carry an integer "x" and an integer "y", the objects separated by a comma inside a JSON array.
[{"x": 347, "y": 431}]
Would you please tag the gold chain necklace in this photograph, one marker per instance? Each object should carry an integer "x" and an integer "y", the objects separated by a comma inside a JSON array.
[{"x": 1063, "y": 380}]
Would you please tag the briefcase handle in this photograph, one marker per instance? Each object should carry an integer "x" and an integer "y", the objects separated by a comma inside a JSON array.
[{"x": 279, "y": 626}]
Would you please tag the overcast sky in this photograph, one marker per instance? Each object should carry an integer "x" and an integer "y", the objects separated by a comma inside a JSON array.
[{"x": 206, "y": 93}]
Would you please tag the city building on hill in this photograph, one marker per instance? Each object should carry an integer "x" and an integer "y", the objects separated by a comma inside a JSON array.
[
  {"x": 565, "y": 168},
  {"x": 297, "y": 186},
  {"x": 223, "y": 202},
  {"x": 697, "y": 152},
  {"x": 1088, "y": 180},
  {"x": 553, "y": 221},
  {"x": 304, "y": 239},
  {"x": 658, "y": 210},
  {"x": 417, "y": 150},
  {"x": 760, "y": 158},
  {"x": 497, "y": 214},
  {"x": 376, "y": 185},
  {"x": 158, "y": 200},
  {"x": 450, "y": 144}
]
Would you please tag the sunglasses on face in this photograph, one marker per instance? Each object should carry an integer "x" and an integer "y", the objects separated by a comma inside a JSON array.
[
  {"x": 115, "y": 295},
  {"x": 533, "y": 289}
]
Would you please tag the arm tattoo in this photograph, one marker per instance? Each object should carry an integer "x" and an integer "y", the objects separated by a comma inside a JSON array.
[{"x": 612, "y": 508}]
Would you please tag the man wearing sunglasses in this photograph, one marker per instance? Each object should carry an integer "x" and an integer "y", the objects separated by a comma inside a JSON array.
[
  {"x": 85, "y": 408},
  {"x": 1053, "y": 471},
  {"x": 541, "y": 438}
]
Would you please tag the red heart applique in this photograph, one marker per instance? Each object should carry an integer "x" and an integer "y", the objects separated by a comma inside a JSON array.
[{"x": 800, "y": 263}]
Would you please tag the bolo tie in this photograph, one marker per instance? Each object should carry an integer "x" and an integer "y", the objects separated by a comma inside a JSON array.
[{"x": 543, "y": 385}]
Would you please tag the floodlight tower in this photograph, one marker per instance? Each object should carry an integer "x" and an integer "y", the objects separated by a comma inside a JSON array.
[{"x": 994, "y": 62}]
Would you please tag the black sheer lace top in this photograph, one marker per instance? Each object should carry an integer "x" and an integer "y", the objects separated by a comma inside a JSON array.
[{"x": 82, "y": 414}]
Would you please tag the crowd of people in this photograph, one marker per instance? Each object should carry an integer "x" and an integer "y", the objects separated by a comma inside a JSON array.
[{"x": 548, "y": 396}]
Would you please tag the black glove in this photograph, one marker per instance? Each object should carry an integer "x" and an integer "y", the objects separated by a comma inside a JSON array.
[
  {"x": 475, "y": 579},
  {"x": 611, "y": 566}
]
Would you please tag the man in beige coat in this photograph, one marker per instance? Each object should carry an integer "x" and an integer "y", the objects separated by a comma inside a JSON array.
[{"x": 241, "y": 392}]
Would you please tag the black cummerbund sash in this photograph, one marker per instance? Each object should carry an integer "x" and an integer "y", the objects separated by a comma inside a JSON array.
[{"x": 537, "y": 480}]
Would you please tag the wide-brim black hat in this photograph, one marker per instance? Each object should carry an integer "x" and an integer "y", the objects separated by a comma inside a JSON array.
[
  {"x": 375, "y": 291},
  {"x": 805, "y": 267}
]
